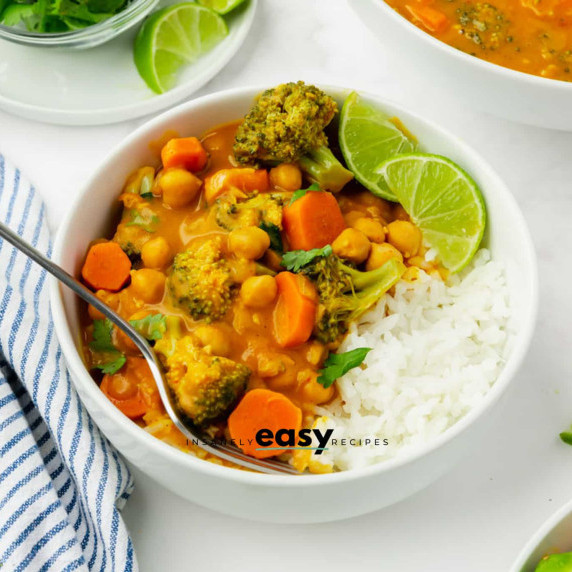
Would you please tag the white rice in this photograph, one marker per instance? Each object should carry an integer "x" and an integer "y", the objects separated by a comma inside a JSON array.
[{"x": 437, "y": 350}]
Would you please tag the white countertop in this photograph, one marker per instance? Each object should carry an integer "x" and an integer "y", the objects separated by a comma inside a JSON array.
[{"x": 476, "y": 518}]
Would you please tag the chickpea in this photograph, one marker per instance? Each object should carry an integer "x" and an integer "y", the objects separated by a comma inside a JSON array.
[
  {"x": 419, "y": 262},
  {"x": 351, "y": 217},
  {"x": 258, "y": 291},
  {"x": 352, "y": 245},
  {"x": 213, "y": 338},
  {"x": 242, "y": 269},
  {"x": 380, "y": 254},
  {"x": 250, "y": 242},
  {"x": 122, "y": 386},
  {"x": 316, "y": 353},
  {"x": 405, "y": 236},
  {"x": 313, "y": 391},
  {"x": 109, "y": 298},
  {"x": 283, "y": 380},
  {"x": 156, "y": 253},
  {"x": 148, "y": 285},
  {"x": 272, "y": 365},
  {"x": 179, "y": 187},
  {"x": 411, "y": 274},
  {"x": 286, "y": 176},
  {"x": 372, "y": 229}
]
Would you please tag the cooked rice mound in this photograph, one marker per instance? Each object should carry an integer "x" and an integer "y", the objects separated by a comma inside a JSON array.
[{"x": 437, "y": 350}]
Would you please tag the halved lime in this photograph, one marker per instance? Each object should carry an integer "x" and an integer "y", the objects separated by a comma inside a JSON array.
[
  {"x": 367, "y": 137},
  {"x": 442, "y": 200},
  {"x": 173, "y": 37},
  {"x": 221, "y": 6}
]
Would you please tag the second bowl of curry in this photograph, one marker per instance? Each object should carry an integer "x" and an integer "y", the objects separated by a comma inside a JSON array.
[{"x": 509, "y": 59}]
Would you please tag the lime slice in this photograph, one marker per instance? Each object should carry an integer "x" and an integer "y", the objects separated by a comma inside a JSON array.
[
  {"x": 442, "y": 200},
  {"x": 173, "y": 37},
  {"x": 367, "y": 137},
  {"x": 221, "y": 6}
]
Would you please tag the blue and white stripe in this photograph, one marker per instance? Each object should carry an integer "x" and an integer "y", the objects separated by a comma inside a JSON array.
[{"x": 61, "y": 483}]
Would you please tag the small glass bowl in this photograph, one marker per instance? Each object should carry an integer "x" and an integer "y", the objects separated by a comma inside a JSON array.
[{"x": 88, "y": 37}]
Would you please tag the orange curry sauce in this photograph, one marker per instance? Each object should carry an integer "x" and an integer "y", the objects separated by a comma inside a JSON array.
[
  {"x": 290, "y": 371},
  {"x": 532, "y": 36}
]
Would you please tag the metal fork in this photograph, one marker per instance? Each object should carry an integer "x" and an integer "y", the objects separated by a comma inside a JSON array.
[{"x": 182, "y": 422}]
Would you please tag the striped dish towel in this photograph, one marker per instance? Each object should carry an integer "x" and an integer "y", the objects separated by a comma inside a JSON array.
[{"x": 61, "y": 483}]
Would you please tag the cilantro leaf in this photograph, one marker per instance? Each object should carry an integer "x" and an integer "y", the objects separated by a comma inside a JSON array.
[
  {"x": 15, "y": 13},
  {"x": 147, "y": 222},
  {"x": 338, "y": 364},
  {"x": 275, "y": 237},
  {"x": 152, "y": 327},
  {"x": 102, "y": 341},
  {"x": 147, "y": 195},
  {"x": 111, "y": 358},
  {"x": 296, "y": 259},
  {"x": 301, "y": 192},
  {"x": 114, "y": 365}
]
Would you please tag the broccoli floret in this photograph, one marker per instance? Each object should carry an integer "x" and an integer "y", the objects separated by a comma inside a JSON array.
[
  {"x": 286, "y": 125},
  {"x": 205, "y": 386},
  {"x": 200, "y": 281},
  {"x": 346, "y": 293},
  {"x": 257, "y": 209}
]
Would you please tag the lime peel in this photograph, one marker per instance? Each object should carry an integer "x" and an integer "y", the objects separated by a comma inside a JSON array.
[
  {"x": 442, "y": 200},
  {"x": 173, "y": 37},
  {"x": 367, "y": 136}
]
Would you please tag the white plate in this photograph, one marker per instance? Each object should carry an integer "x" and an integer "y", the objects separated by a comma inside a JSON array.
[{"x": 101, "y": 85}]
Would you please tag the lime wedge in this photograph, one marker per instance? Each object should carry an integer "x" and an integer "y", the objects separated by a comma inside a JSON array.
[
  {"x": 442, "y": 200},
  {"x": 173, "y": 37},
  {"x": 221, "y": 6},
  {"x": 367, "y": 137}
]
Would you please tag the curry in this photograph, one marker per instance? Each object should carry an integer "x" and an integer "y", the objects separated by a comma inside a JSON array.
[
  {"x": 531, "y": 36},
  {"x": 246, "y": 277}
]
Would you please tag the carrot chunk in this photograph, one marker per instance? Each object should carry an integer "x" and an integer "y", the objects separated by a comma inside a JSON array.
[
  {"x": 263, "y": 409},
  {"x": 106, "y": 267},
  {"x": 313, "y": 221},
  {"x": 295, "y": 311},
  {"x": 245, "y": 180},
  {"x": 186, "y": 152},
  {"x": 434, "y": 20},
  {"x": 130, "y": 389}
]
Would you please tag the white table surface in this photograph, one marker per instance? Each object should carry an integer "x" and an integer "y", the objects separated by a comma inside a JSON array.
[{"x": 476, "y": 518}]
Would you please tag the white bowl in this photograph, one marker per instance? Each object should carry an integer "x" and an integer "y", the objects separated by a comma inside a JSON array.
[
  {"x": 555, "y": 535},
  {"x": 475, "y": 83},
  {"x": 313, "y": 498}
]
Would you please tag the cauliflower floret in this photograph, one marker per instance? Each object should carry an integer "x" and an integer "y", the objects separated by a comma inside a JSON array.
[{"x": 204, "y": 385}]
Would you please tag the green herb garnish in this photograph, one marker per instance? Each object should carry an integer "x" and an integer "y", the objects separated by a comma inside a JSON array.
[
  {"x": 301, "y": 192},
  {"x": 152, "y": 327},
  {"x": 275, "y": 236},
  {"x": 50, "y": 16},
  {"x": 338, "y": 364},
  {"x": 146, "y": 222},
  {"x": 296, "y": 259},
  {"x": 111, "y": 359}
]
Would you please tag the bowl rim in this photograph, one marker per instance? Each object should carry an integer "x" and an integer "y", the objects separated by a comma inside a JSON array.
[
  {"x": 548, "y": 526},
  {"x": 81, "y": 375},
  {"x": 486, "y": 66}
]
